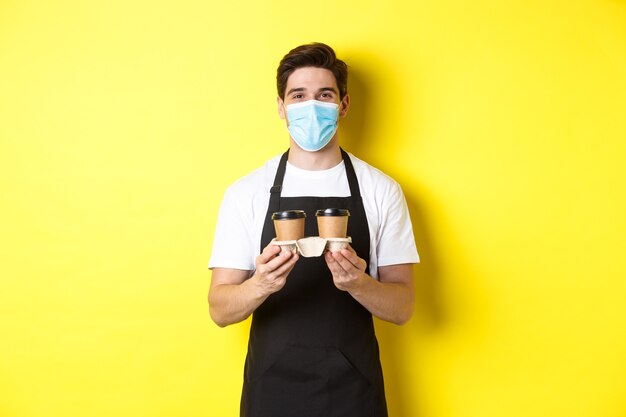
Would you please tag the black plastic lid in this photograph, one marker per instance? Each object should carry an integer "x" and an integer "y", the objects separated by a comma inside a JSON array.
[
  {"x": 332, "y": 212},
  {"x": 289, "y": 215}
]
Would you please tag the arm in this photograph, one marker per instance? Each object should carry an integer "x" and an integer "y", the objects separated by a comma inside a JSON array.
[
  {"x": 233, "y": 296},
  {"x": 390, "y": 299}
]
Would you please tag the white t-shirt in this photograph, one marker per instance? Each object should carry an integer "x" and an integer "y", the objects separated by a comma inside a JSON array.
[{"x": 240, "y": 220}]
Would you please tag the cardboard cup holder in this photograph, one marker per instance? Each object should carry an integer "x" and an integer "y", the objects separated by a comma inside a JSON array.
[
  {"x": 332, "y": 225},
  {"x": 335, "y": 244},
  {"x": 314, "y": 246},
  {"x": 286, "y": 245}
]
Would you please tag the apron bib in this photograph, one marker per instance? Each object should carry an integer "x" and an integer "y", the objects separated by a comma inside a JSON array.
[{"x": 312, "y": 350}]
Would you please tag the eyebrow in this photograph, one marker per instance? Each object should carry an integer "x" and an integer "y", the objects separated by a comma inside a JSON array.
[
  {"x": 295, "y": 90},
  {"x": 302, "y": 89}
]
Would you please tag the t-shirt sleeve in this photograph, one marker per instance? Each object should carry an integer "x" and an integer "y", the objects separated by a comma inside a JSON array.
[
  {"x": 396, "y": 239},
  {"x": 232, "y": 243}
]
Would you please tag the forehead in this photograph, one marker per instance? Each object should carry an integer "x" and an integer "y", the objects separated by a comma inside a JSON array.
[{"x": 311, "y": 78}]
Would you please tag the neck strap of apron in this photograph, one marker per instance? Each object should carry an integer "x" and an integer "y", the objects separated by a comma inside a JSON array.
[{"x": 276, "y": 189}]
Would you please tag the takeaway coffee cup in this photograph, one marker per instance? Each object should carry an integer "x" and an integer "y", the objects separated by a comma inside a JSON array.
[
  {"x": 289, "y": 225},
  {"x": 332, "y": 222}
]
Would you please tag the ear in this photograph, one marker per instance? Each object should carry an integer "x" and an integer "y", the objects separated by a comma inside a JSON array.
[
  {"x": 281, "y": 107},
  {"x": 344, "y": 106}
]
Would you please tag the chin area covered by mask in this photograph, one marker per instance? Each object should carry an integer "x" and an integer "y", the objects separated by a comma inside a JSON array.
[{"x": 312, "y": 124}]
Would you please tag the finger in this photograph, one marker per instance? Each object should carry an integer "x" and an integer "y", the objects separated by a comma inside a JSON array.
[
  {"x": 269, "y": 252},
  {"x": 279, "y": 260},
  {"x": 333, "y": 265},
  {"x": 350, "y": 248},
  {"x": 285, "y": 268},
  {"x": 345, "y": 263},
  {"x": 281, "y": 272},
  {"x": 357, "y": 261},
  {"x": 351, "y": 256}
]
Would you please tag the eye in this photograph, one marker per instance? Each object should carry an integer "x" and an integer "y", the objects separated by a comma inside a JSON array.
[{"x": 297, "y": 96}]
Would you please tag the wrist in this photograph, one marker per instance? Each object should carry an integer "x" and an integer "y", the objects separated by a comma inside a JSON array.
[
  {"x": 257, "y": 290},
  {"x": 357, "y": 286}
]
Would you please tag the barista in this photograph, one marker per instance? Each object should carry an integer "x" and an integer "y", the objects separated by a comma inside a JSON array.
[{"x": 312, "y": 350}]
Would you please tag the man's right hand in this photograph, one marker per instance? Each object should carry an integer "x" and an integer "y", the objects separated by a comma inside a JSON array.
[{"x": 272, "y": 269}]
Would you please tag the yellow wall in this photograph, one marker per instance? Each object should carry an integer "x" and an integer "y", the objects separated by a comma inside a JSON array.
[{"x": 122, "y": 122}]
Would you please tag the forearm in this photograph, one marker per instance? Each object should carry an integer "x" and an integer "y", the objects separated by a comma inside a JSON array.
[
  {"x": 389, "y": 301},
  {"x": 234, "y": 295},
  {"x": 232, "y": 303},
  {"x": 389, "y": 298}
]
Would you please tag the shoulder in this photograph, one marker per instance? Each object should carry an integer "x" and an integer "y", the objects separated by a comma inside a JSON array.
[
  {"x": 257, "y": 182},
  {"x": 372, "y": 179}
]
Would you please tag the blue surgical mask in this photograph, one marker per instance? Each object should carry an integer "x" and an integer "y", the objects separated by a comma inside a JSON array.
[{"x": 312, "y": 123}]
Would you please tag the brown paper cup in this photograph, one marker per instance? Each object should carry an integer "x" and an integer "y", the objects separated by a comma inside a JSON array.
[
  {"x": 289, "y": 225},
  {"x": 332, "y": 222}
]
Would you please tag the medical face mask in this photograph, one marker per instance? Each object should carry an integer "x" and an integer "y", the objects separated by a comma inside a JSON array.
[{"x": 312, "y": 123}]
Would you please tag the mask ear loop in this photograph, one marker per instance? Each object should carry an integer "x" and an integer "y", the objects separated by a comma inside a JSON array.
[
  {"x": 285, "y": 112},
  {"x": 341, "y": 105}
]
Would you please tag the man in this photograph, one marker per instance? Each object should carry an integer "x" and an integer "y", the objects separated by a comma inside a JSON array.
[{"x": 312, "y": 349}]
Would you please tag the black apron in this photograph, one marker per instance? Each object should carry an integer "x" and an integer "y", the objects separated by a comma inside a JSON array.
[{"x": 312, "y": 350}]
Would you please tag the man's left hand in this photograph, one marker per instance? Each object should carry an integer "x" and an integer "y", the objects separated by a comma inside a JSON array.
[{"x": 347, "y": 268}]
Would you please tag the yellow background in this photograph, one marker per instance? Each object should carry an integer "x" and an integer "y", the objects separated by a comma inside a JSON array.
[{"x": 122, "y": 123}]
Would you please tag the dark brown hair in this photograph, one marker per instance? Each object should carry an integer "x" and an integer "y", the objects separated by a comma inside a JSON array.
[{"x": 317, "y": 55}]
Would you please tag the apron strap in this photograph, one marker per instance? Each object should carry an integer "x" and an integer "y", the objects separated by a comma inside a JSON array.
[
  {"x": 277, "y": 188},
  {"x": 355, "y": 191}
]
